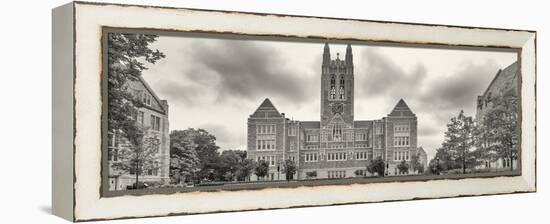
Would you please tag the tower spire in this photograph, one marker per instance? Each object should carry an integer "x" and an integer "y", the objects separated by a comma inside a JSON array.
[
  {"x": 349, "y": 56},
  {"x": 326, "y": 55}
]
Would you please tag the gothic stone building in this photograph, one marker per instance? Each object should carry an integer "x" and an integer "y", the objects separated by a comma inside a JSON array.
[
  {"x": 337, "y": 146},
  {"x": 154, "y": 118},
  {"x": 505, "y": 80}
]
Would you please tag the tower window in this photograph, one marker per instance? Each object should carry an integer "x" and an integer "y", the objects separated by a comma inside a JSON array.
[
  {"x": 342, "y": 88},
  {"x": 332, "y": 87}
]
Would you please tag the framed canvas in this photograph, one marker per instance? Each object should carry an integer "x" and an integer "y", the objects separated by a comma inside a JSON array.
[{"x": 169, "y": 111}]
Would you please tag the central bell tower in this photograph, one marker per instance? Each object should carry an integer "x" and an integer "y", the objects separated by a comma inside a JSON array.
[{"x": 337, "y": 89}]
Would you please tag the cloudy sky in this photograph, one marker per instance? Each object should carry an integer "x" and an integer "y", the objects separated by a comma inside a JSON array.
[{"x": 216, "y": 84}]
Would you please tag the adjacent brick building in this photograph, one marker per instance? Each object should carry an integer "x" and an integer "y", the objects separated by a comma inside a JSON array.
[
  {"x": 337, "y": 146},
  {"x": 153, "y": 116},
  {"x": 504, "y": 81}
]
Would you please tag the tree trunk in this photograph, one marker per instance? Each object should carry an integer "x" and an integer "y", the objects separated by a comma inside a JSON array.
[{"x": 137, "y": 174}]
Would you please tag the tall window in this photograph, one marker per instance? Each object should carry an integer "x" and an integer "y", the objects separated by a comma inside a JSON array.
[
  {"x": 342, "y": 88},
  {"x": 292, "y": 130},
  {"x": 112, "y": 142},
  {"x": 336, "y": 156},
  {"x": 266, "y": 143},
  {"x": 337, "y": 132},
  {"x": 401, "y": 155},
  {"x": 401, "y": 141},
  {"x": 155, "y": 123},
  {"x": 311, "y": 157},
  {"x": 265, "y": 129},
  {"x": 332, "y": 87}
]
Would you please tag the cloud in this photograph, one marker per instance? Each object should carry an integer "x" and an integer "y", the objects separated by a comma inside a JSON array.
[
  {"x": 224, "y": 138},
  {"x": 385, "y": 78},
  {"x": 244, "y": 70},
  {"x": 459, "y": 90}
]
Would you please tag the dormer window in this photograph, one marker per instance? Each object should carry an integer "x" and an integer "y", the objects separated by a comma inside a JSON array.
[{"x": 146, "y": 99}]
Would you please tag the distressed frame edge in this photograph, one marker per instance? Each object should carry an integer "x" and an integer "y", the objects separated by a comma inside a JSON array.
[
  {"x": 531, "y": 182},
  {"x": 63, "y": 129}
]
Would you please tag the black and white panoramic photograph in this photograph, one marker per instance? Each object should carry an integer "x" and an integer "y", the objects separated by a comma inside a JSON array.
[{"x": 192, "y": 112}]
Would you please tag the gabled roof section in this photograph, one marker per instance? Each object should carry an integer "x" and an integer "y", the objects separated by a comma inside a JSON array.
[
  {"x": 150, "y": 90},
  {"x": 140, "y": 86},
  {"x": 421, "y": 150},
  {"x": 401, "y": 109},
  {"x": 503, "y": 75},
  {"x": 266, "y": 110}
]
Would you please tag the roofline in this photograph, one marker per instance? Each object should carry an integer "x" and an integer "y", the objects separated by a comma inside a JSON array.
[
  {"x": 495, "y": 78},
  {"x": 152, "y": 93}
]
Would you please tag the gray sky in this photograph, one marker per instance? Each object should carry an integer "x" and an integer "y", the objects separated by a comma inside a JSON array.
[{"x": 216, "y": 84}]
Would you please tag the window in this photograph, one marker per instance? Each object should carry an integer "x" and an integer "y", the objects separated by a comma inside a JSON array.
[
  {"x": 112, "y": 147},
  {"x": 311, "y": 157},
  {"x": 360, "y": 136},
  {"x": 378, "y": 129},
  {"x": 361, "y": 155},
  {"x": 399, "y": 141},
  {"x": 332, "y": 87},
  {"x": 337, "y": 132},
  {"x": 401, "y": 127},
  {"x": 265, "y": 144},
  {"x": 342, "y": 88},
  {"x": 266, "y": 129},
  {"x": 336, "y": 174},
  {"x": 292, "y": 130},
  {"x": 312, "y": 138},
  {"x": 269, "y": 159},
  {"x": 336, "y": 156},
  {"x": 401, "y": 155},
  {"x": 155, "y": 122},
  {"x": 146, "y": 98}
]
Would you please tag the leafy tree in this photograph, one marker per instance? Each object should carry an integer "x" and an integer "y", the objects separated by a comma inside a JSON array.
[
  {"x": 403, "y": 167},
  {"x": 435, "y": 167},
  {"x": 126, "y": 55},
  {"x": 459, "y": 141},
  {"x": 498, "y": 131},
  {"x": 376, "y": 166},
  {"x": 445, "y": 159},
  {"x": 126, "y": 58},
  {"x": 289, "y": 168},
  {"x": 229, "y": 164},
  {"x": 204, "y": 144},
  {"x": 262, "y": 168},
  {"x": 245, "y": 169},
  {"x": 140, "y": 156},
  {"x": 184, "y": 162},
  {"x": 416, "y": 165}
]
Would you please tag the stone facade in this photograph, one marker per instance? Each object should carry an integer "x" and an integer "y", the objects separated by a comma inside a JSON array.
[
  {"x": 154, "y": 118},
  {"x": 505, "y": 80},
  {"x": 337, "y": 146}
]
